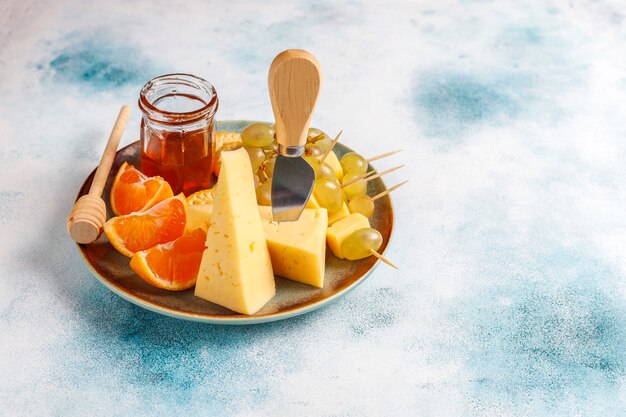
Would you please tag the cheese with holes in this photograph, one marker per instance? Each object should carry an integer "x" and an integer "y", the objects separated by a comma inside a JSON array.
[
  {"x": 236, "y": 269},
  {"x": 339, "y": 231},
  {"x": 298, "y": 248}
]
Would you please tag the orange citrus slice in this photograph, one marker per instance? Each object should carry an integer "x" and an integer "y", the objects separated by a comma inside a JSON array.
[
  {"x": 132, "y": 191},
  {"x": 161, "y": 223},
  {"x": 172, "y": 266}
]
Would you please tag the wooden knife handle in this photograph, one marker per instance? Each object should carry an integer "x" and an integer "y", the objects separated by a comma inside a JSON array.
[{"x": 294, "y": 84}]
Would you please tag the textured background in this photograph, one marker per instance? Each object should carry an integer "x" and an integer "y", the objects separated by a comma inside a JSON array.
[{"x": 511, "y": 235}]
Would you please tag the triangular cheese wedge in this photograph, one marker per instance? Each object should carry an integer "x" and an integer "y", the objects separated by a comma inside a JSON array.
[
  {"x": 236, "y": 270},
  {"x": 298, "y": 248}
]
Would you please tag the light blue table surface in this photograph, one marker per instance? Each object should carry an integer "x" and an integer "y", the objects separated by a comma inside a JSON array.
[{"x": 510, "y": 236}]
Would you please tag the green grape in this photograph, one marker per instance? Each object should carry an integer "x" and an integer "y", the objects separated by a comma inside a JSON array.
[
  {"x": 314, "y": 162},
  {"x": 257, "y": 135},
  {"x": 353, "y": 162},
  {"x": 354, "y": 189},
  {"x": 312, "y": 150},
  {"x": 328, "y": 194},
  {"x": 264, "y": 193},
  {"x": 257, "y": 181},
  {"x": 358, "y": 244},
  {"x": 314, "y": 135},
  {"x": 324, "y": 144},
  {"x": 257, "y": 156},
  {"x": 321, "y": 169},
  {"x": 271, "y": 148},
  {"x": 268, "y": 166},
  {"x": 363, "y": 204},
  {"x": 325, "y": 171}
]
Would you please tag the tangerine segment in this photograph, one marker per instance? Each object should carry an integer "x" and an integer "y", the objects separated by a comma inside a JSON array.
[
  {"x": 133, "y": 191},
  {"x": 174, "y": 265},
  {"x": 161, "y": 223}
]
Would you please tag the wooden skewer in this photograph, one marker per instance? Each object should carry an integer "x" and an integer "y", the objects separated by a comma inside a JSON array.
[
  {"x": 332, "y": 145},
  {"x": 382, "y": 155},
  {"x": 371, "y": 175},
  {"x": 88, "y": 215},
  {"x": 382, "y": 258},
  {"x": 358, "y": 178},
  {"x": 387, "y": 191}
]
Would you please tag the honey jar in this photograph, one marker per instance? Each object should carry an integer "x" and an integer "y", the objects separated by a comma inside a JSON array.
[{"x": 177, "y": 131}]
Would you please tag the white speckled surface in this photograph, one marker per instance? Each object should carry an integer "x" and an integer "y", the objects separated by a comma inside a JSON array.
[{"x": 510, "y": 236}]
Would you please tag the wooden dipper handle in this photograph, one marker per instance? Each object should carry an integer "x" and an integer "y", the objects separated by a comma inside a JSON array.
[
  {"x": 88, "y": 215},
  {"x": 294, "y": 83}
]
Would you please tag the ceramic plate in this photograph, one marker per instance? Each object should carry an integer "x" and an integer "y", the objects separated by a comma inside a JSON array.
[{"x": 292, "y": 298}]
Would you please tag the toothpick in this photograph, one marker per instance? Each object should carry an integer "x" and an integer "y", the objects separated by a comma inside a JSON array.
[
  {"x": 358, "y": 178},
  {"x": 387, "y": 191},
  {"x": 332, "y": 145},
  {"x": 314, "y": 139},
  {"x": 382, "y": 258},
  {"x": 368, "y": 175},
  {"x": 382, "y": 155}
]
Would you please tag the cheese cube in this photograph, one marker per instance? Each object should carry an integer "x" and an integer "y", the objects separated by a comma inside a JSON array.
[
  {"x": 236, "y": 269},
  {"x": 298, "y": 248},
  {"x": 338, "y": 232},
  {"x": 338, "y": 215}
]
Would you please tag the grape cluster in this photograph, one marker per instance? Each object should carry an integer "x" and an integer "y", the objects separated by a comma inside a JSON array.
[{"x": 330, "y": 193}]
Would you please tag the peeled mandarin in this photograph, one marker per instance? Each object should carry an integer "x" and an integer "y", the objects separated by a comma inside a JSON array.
[{"x": 138, "y": 231}]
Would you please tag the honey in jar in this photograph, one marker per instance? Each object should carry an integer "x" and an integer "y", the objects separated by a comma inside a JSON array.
[{"x": 177, "y": 131}]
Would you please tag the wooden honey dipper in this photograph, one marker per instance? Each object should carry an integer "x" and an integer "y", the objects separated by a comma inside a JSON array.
[{"x": 88, "y": 215}]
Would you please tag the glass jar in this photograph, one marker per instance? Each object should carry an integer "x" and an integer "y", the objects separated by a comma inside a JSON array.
[{"x": 177, "y": 131}]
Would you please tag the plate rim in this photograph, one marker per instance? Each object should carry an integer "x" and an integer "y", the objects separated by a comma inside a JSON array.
[{"x": 239, "y": 319}]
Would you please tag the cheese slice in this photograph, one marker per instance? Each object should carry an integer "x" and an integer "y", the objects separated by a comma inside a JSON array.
[
  {"x": 298, "y": 248},
  {"x": 338, "y": 232},
  {"x": 236, "y": 270}
]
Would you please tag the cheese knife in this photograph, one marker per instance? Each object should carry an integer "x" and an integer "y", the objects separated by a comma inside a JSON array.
[{"x": 294, "y": 84}]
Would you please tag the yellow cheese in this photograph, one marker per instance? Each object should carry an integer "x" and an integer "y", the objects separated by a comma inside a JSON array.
[
  {"x": 332, "y": 160},
  {"x": 198, "y": 215},
  {"x": 298, "y": 249},
  {"x": 338, "y": 215},
  {"x": 199, "y": 209},
  {"x": 236, "y": 270},
  {"x": 332, "y": 217},
  {"x": 338, "y": 232},
  {"x": 224, "y": 141},
  {"x": 312, "y": 202}
]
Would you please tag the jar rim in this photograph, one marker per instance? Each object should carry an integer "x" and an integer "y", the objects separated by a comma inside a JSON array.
[{"x": 153, "y": 112}]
